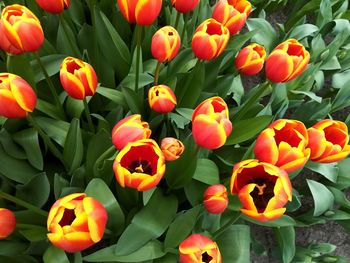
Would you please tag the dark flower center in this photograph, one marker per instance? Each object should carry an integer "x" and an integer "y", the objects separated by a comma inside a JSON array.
[
  {"x": 170, "y": 33},
  {"x": 206, "y": 257},
  {"x": 262, "y": 193},
  {"x": 67, "y": 218},
  {"x": 72, "y": 66},
  {"x": 214, "y": 29},
  {"x": 141, "y": 166}
]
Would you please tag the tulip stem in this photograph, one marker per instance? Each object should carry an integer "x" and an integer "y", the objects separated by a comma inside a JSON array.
[
  {"x": 178, "y": 14},
  {"x": 88, "y": 116},
  {"x": 227, "y": 225},
  {"x": 23, "y": 204},
  {"x": 76, "y": 52},
  {"x": 184, "y": 29},
  {"x": 156, "y": 74},
  {"x": 138, "y": 54}
]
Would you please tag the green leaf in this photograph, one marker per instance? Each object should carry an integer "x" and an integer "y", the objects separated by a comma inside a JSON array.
[
  {"x": 114, "y": 95},
  {"x": 342, "y": 99},
  {"x": 55, "y": 129},
  {"x": 19, "y": 65},
  {"x": 98, "y": 189},
  {"x": 265, "y": 34},
  {"x": 234, "y": 244},
  {"x": 51, "y": 63},
  {"x": 323, "y": 198},
  {"x": 280, "y": 222},
  {"x": 302, "y": 31},
  {"x": 207, "y": 172},
  {"x": 312, "y": 110},
  {"x": 73, "y": 149},
  {"x": 47, "y": 108},
  {"x": 55, "y": 255},
  {"x": 35, "y": 233},
  {"x": 286, "y": 241},
  {"x": 310, "y": 94},
  {"x": 10, "y": 147},
  {"x": 181, "y": 227},
  {"x": 134, "y": 101},
  {"x": 329, "y": 170},
  {"x": 149, "y": 223}
]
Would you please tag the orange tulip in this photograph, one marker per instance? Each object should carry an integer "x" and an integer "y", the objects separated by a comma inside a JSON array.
[
  {"x": 215, "y": 199},
  {"x": 53, "y": 6},
  {"x": 232, "y": 14},
  {"x": 199, "y": 249},
  {"x": 250, "y": 60},
  {"x": 161, "y": 99},
  {"x": 141, "y": 12},
  {"x": 7, "y": 223},
  {"x": 78, "y": 78},
  {"x": 17, "y": 97},
  {"x": 328, "y": 141},
  {"x": 210, "y": 39},
  {"x": 76, "y": 222},
  {"x": 130, "y": 129},
  {"x": 184, "y": 6},
  {"x": 166, "y": 44},
  {"x": 140, "y": 165},
  {"x": 283, "y": 144},
  {"x": 262, "y": 188},
  {"x": 210, "y": 123},
  {"x": 172, "y": 148},
  {"x": 287, "y": 61},
  {"x": 20, "y": 30}
]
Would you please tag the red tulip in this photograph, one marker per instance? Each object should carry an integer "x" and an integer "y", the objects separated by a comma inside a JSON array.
[
  {"x": 215, "y": 199},
  {"x": 250, "y": 60},
  {"x": 184, "y": 6},
  {"x": 161, "y": 99},
  {"x": 166, "y": 44},
  {"x": 53, "y": 6},
  {"x": 7, "y": 223},
  {"x": 172, "y": 148}
]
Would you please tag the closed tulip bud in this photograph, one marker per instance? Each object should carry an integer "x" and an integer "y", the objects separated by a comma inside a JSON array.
[
  {"x": 78, "y": 78},
  {"x": 262, "y": 188},
  {"x": 165, "y": 44},
  {"x": 184, "y": 6},
  {"x": 130, "y": 129},
  {"x": 53, "y": 6},
  {"x": 210, "y": 39},
  {"x": 283, "y": 144},
  {"x": 328, "y": 141},
  {"x": 215, "y": 199},
  {"x": 141, "y": 12},
  {"x": 172, "y": 148},
  {"x": 76, "y": 222},
  {"x": 199, "y": 249},
  {"x": 17, "y": 97},
  {"x": 7, "y": 223},
  {"x": 250, "y": 60},
  {"x": 287, "y": 61},
  {"x": 161, "y": 99},
  {"x": 210, "y": 123},
  {"x": 140, "y": 165},
  {"x": 20, "y": 30},
  {"x": 232, "y": 14}
]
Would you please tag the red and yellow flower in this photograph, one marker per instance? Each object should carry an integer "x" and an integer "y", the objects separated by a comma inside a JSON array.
[
  {"x": 161, "y": 99},
  {"x": 232, "y": 13},
  {"x": 7, "y": 223},
  {"x": 199, "y": 249},
  {"x": 210, "y": 123},
  {"x": 17, "y": 97},
  {"x": 328, "y": 141},
  {"x": 210, "y": 39},
  {"x": 20, "y": 30},
  {"x": 215, "y": 199},
  {"x": 172, "y": 148},
  {"x": 76, "y": 222},
  {"x": 140, "y": 165},
  {"x": 166, "y": 44},
  {"x": 141, "y": 12},
  {"x": 130, "y": 129},
  {"x": 184, "y": 6},
  {"x": 78, "y": 78},
  {"x": 250, "y": 60},
  {"x": 284, "y": 144},
  {"x": 262, "y": 188},
  {"x": 287, "y": 61},
  {"x": 53, "y": 6}
]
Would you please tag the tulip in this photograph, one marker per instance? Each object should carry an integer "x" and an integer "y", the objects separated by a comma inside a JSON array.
[
  {"x": 53, "y": 6},
  {"x": 78, "y": 78},
  {"x": 328, "y": 141},
  {"x": 250, "y": 60},
  {"x": 232, "y": 14},
  {"x": 7, "y": 223},
  {"x": 287, "y": 61},
  {"x": 20, "y": 30},
  {"x": 210, "y": 39},
  {"x": 199, "y": 249},
  {"x": 166, "y": 44},
  {"x": 210, "y": 123},
  {"x": 172, "y": 148},
  {"x": 161, "y": 99},
  {"x": 141, "y": 12},
  {"x": 17, "y": 97},
  {"x": 140, "y": 165},
  {"x": 283, "y": 144},
  {"x": 184, "y": 6},
  {"x": 215, "y": 199},
  {"x": 262, "y": 188},
  {"x": 130, "y": 129},
  {"x": 76, "y": 222}
]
